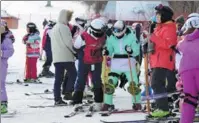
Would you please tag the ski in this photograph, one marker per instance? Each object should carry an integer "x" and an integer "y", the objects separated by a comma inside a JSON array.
[
  {"x": 10, "y": 114},
  {"x": 41, "y": 93},
  {"x": 90, "y": 111},
  {"x": 159, "y": 120},
  {"x": 157, "y": 96},
  {"x": 75, "y": 111},
  {"x": 27, "y": 83},
  {"x": 117, "y": 111},
  {"x": 45, "y": 106}
]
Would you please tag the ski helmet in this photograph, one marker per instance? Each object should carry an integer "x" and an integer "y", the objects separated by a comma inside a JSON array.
[
  {"x": 97, "y": 28},
  {"x": 119, "y": 28},
  {"x": 81, "y": 20},
  {"x": 165, "y": 12},
  {"x": 193, "y": 15},
  {"x": 192, "y": 22}
]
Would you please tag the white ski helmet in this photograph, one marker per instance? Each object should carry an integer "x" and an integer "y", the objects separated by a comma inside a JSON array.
[
  {"x": 192, "y": 22},
  {"x": 96, "y": 28},
  {"x": 81, "y": 20},
  {"x": 193, "y": 15},
  {"x": 119, "y": 28}
]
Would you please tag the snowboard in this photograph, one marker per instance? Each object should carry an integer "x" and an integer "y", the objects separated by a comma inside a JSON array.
[{"x": 10, "y": 114}]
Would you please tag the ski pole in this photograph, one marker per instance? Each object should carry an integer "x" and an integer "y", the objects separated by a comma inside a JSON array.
[
  {"x": 147, "y": 80},
  {"x": 131, "y": 77}
]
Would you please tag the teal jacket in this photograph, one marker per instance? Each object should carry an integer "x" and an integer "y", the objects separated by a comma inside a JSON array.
[{"x": 117, "y": 46}]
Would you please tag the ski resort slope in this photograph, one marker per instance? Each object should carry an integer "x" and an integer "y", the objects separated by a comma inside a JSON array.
[
  {"x": 19, "y": 101},
  {"x": 16, "y": 93}
]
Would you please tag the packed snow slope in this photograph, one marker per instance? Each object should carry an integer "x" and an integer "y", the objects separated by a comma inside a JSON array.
[{"x": 16, "y": 93}]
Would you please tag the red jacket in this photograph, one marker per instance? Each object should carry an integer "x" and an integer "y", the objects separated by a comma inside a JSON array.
[
  {"x": 93, "y": 48},
  {"x": 164, "y": 36}
]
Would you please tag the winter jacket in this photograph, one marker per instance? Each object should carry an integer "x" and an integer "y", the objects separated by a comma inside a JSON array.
[
  {"x": 11, "y": 36},
  {"x": 164, "y": 37},
  {"x": 116, "y": 48},
  {"x": 190, "y": 52},
  {"x": 61, "y": 40},
  {"x": 46, "y": 41},
  {"x": 7, "y": 51},
  {"x": 32, "y": 42}
]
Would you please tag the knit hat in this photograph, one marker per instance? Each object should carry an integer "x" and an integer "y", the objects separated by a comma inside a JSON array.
[
  {"x": 180, "y": 19},
  {"x": 165, "y": 12}
]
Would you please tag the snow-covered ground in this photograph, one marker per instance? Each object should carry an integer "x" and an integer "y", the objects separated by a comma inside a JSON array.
[{"x": 19, "y": 101}]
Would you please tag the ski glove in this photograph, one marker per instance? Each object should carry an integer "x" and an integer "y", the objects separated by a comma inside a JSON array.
[
  {"x": 128, "y": 49},
  {"x": 105, "y": 51}
]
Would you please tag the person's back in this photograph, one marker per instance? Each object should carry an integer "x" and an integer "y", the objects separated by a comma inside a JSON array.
[
  {"x": 61, "y": 40},
  {"x": 190, "y": 51}
]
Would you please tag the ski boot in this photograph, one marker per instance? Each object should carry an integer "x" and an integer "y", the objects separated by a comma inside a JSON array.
[
  {"x": 4, "y": 107},
  {"x": 46, "y": 73},
  {"x": 107, "y": 107},
  {"x": 68, "y": 96},
  {"x": 27, "y": 81},
  {"x": 60, "y": 103},
  {"x": 159, "y": 114},
  {"x": 137, "y": 107}
]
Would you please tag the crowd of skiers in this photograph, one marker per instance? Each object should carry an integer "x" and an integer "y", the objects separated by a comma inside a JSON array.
[{"x": 110, "y": 55}]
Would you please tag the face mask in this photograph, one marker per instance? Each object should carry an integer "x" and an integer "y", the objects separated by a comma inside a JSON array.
[
  {"x": 109, "y": 25},
  {"x": 158, "y": 18}
]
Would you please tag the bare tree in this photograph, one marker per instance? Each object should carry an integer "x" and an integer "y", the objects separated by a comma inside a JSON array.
[
  {"x": 97, "y": 6},
  {"x": 48, "y": 4},
  {"x": 186, "y": 7}
]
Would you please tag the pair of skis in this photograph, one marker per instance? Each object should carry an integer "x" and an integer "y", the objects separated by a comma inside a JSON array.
[{"x": 9, "y": 114}]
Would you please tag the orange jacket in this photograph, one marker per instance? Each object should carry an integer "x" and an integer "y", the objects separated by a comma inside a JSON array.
[{"x": 164, "y": 36}]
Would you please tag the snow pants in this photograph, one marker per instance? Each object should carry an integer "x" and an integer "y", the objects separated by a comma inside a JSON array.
[
  {"x": 31, "y": 68},
  {"x": 49, "y": 59},
  {"x": 59, "y": 75},
  {"x": 158, "y": 84},
  {"x": 108, "y": 98},
  {"x": 83, "y": 70},
  {"x": 4, "y": 66},
  {"x": 190, "y": 81}
]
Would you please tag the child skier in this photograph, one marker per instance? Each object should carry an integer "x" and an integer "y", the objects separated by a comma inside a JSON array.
[
  {"x": 92, "y": 42},
  {"x": 46, "y": 46},
  {"x": 7, "y": 51},
  {"x": 122, "y": 45},
  {"x": 32, "y": 42},
  {"x": 189, "y": 68},
  {"x": 162, "y": 57}
]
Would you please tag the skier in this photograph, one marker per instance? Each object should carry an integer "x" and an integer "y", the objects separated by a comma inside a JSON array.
[
  {"x": 80, "y": 28},
  {"x": 45, "y": 22},
  {"x": 179, "y": 23},
  {"x": 7, "y": 51},
  {"x": 189, "y": 69},
  {"x": 63, "y": 56},
  {"x": 46, "y": 46},
  {"x": 162, "y": 56},
  {"x": 32, "y": 42},
  {"x": 123, "y": 45},
  {"x": 92, "y": 42}
]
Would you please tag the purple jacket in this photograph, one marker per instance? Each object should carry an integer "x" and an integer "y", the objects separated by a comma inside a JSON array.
[
  {"x": 189, "y": 47},
  {"x": 7, "y": 50}
]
